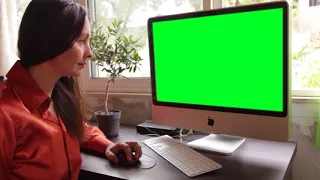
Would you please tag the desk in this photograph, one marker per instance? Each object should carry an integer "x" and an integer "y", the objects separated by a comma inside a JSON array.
[{"x": 254, "y": 160}]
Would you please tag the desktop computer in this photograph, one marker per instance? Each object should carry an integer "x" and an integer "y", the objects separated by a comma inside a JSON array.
[{"x": 224, "y": 71}]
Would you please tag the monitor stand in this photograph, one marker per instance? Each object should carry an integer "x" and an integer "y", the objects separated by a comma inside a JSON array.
[{"x": 217, "y": 143}]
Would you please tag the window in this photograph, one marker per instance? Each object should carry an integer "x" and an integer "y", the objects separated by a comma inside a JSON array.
[
  {"x": 21, "y": 7},
  {"x": 135, "y": 14},
  {"x": 305, "y": 44},
  {"x": 305, "y": 40}
]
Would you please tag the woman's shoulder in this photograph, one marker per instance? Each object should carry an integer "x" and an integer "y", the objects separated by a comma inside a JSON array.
[
  {"x": 7, "y": 93},
  {"x": 12, "y": 110},
  {"x": 10, "y": 103}
]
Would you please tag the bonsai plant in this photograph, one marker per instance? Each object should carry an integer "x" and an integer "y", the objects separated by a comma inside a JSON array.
[{"x": 115, "y": 52}]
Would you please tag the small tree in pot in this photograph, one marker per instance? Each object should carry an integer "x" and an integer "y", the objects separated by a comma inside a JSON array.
[{"x": 116, "y": 53}]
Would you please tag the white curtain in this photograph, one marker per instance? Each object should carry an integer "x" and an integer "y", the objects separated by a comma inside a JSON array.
[{"x": 8, "y": 35}]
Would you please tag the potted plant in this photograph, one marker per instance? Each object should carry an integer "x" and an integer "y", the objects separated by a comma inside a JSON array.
[{"x": 115, "y": 52}]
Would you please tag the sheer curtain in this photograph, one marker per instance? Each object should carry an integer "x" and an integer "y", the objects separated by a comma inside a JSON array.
[{"x": 8, "y": 35}]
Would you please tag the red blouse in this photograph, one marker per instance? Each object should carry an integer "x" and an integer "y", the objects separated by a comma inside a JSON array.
[{"x": 33, "y": 143}]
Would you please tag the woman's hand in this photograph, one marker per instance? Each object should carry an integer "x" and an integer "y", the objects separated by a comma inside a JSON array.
[{"x": 129, "y": 148}]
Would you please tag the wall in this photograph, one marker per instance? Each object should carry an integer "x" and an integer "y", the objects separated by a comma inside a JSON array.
[
  {"x": 136, "y": 109},
  {"x": 307, "y": 162}
]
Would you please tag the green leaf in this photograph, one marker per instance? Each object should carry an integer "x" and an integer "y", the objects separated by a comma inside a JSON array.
[{"x": 114, "y": 51}]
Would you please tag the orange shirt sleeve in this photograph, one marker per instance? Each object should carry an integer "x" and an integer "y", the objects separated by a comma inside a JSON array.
[
  {"x": 7, "y": 143},
  {"x": 96, "y": 140}
]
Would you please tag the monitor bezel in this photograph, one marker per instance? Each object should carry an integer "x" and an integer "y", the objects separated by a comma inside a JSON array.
[{"x": 263, "y": 6}]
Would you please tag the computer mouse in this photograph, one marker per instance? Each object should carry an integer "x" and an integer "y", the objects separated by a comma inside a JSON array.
[{"x": 121, "y": 155}]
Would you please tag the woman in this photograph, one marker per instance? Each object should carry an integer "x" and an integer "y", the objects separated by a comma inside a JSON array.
[{"x": 41, "y": 112}]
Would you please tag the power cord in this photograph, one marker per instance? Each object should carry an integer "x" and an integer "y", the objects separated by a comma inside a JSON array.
[{"x": 154, "y": 161}]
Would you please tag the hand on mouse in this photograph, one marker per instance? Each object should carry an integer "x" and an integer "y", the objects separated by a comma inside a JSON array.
[{"x": 128, "y": 147}]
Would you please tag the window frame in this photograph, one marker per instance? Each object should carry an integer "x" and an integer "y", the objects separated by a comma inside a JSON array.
[{"x": 143, "y": 85}]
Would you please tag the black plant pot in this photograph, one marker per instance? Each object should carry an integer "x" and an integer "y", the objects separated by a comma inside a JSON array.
[{"x": 109, "y": 124}]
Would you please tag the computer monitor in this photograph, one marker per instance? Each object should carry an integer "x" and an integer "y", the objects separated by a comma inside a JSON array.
[{"x": 223, "y": 71}]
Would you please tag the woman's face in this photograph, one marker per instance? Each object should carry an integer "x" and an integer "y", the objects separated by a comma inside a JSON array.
[{"x": 72, "y": 61}]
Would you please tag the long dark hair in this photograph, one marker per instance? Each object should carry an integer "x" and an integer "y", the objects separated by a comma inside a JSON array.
[{"x": 49, "y": 28}]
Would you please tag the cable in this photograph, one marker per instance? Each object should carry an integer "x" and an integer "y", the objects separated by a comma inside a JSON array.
[
  {"x": 148, "y": 134},
  {"x": 154, "y": 161},
  {"x": 150, "y": 130},
  {"x": 181, "y": 134},
  {"x": 185, "y": 135}
]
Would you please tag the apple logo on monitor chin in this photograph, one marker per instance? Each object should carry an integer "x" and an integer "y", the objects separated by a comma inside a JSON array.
[{"x": 210, "y": 121}]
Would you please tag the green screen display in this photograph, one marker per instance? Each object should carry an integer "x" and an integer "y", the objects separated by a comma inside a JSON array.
[{"x": 230, "y": 60}]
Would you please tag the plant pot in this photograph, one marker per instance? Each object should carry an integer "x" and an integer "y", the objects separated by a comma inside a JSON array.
[{"x": 109, "y": 124}]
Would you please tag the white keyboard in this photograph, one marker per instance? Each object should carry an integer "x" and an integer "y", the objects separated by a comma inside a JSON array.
[{"x": 189, "y": 161}]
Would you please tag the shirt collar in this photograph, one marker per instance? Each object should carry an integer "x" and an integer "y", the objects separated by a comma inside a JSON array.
[{"x": 32, "y": 96}]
